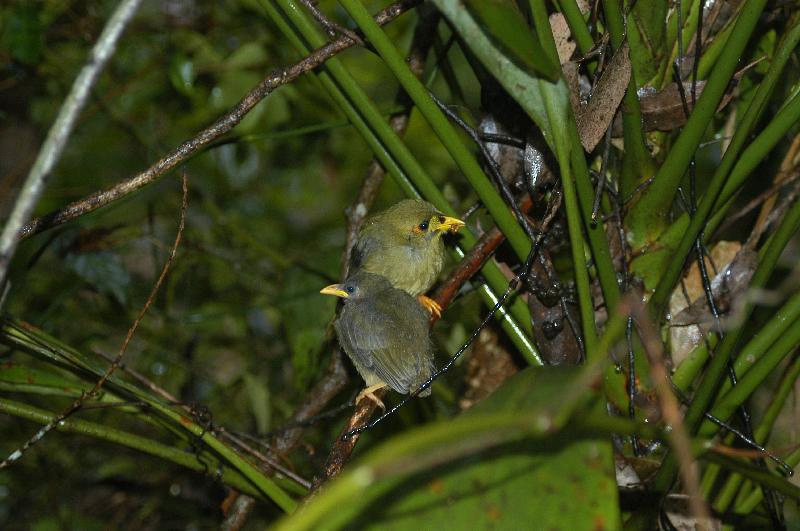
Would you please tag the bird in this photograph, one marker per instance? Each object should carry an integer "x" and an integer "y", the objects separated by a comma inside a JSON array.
[
  {"x": 385, "y": 333},
  {"x": 404, "y": 244}
]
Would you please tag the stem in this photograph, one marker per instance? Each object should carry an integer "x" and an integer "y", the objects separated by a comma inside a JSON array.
[
  {"x": 441, "y": 126},
  {"x": 722, "y": 185},
  {"x": 717, "y": 369},
  {"x": 653, "y": 208},
  {"x": 123, "y": 438},
  {"x": 636, "y": 163},
  {"x": 410, "y": 175}
]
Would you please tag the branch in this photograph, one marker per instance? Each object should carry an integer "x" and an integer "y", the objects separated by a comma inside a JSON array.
[
  {"x": 222, "y": 125},
  {"x": 61, "y": 129},
  {"x": 471, "y": 263},
  {"x": 335, "y": 377}
]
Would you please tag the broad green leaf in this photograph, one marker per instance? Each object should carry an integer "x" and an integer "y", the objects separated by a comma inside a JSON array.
[{"x": 504, "y": 464}]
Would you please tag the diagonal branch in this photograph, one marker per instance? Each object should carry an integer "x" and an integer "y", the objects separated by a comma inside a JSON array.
[{"x": 222, "y": 125}]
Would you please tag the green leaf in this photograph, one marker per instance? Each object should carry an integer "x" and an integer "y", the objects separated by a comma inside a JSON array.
[
  {"x": 182, "y": 74},
  {"x": 519, "y": 84},
  {"x": 509, "y": 461},
  {"x": 18, "y": 377},
  {"x": 505, "y": 25},
  {"x": 647, "y": 34}
]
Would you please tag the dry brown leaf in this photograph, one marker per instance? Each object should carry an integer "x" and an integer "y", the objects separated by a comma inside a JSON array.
[
  {"x": 561, "y": 33},
  {"x": 684, "y": 334},
  {"x": 596, "y": 116},
  {"x": 488, "y": 366}
]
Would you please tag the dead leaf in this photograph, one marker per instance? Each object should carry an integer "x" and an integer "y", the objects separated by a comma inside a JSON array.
[
  {"x": 596, "y": 116},
  {"x": 561, "y": 33},
  {"x": 489, "y": 365},
  {"x": 691, "y": 319}
]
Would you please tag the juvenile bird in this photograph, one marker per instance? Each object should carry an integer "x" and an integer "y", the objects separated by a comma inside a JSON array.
[
  {"x": 404, "y": 244},
  {"x": 385, "y": 333}
]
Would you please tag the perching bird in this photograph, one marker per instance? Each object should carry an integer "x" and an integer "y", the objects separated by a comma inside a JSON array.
[
  {"x": 385, "y": 332},
  {"x": 404, "y": 244}
]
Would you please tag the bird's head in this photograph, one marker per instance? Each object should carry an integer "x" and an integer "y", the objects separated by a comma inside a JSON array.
[
  {"x": 359, "y": 285},
  {"x": 417, "y": 220}
]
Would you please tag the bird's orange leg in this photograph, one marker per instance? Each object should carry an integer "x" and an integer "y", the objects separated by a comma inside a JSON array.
[
  {"x": 368, "y": 393},
  {"x": 431, "y": 305}
]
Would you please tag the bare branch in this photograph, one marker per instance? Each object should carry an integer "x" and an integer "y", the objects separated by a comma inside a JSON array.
[
  {"x": 61, "y": 129},
  {"x": 222, "y": 125}
]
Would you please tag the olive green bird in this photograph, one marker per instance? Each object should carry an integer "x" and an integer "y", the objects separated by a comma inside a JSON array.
[
  {"x": 404, "y": 244},
  {"x": 385, "y": 332}
]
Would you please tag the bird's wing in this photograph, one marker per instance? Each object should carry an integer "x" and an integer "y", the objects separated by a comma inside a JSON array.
[
  {"x": 391, "y": 340},
  {"x": 365, "y": 245}
]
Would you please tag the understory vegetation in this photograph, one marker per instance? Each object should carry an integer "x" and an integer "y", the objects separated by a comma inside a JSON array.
[{"x": 621, "y": 310}]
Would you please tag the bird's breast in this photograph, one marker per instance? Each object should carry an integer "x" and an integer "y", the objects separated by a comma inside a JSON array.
[{"x": 412, "y": 269}]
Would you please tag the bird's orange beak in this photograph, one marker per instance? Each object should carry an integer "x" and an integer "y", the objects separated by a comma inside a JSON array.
[
  {"x": 447, "y": 224},
  {"x": 335, "y": 290}
]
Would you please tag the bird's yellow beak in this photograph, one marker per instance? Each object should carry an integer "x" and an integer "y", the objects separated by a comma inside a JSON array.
[
  {"x": 335, "y": 290},
  {"x": 447, "y": 224}
]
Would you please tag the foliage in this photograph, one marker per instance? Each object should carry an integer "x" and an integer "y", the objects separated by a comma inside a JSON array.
[{"x": 238, "y": 335}]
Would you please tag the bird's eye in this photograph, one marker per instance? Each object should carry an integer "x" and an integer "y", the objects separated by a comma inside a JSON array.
[
  {"x": 423, "y": 226},
  {"x": 350, "y": 289}
]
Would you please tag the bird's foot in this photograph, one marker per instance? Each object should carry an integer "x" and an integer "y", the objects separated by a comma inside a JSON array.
[
  {"x": 368, "y": 393},
  {"x": 431, "y": 305}
]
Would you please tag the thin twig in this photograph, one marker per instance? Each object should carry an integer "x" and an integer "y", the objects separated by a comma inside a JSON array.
[
  {"x": 222, "y": 125},
  {"x": 60, "y": 131},
  {"x": 763, "y": 197},
  {"x": 670, "y": 409},
  {"x": 331, "y": 28},
  {"x": 78, "y": 403}
]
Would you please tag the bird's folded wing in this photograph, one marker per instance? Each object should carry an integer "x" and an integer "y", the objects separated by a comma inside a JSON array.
[
  {"x": 383, "y": 341},
  {"x": 365, "y": 245}
]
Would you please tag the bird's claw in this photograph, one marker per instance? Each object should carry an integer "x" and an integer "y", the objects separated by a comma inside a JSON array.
[
  {"x": 369, "y": 393},
  {"x": 431, "y": 305}
]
